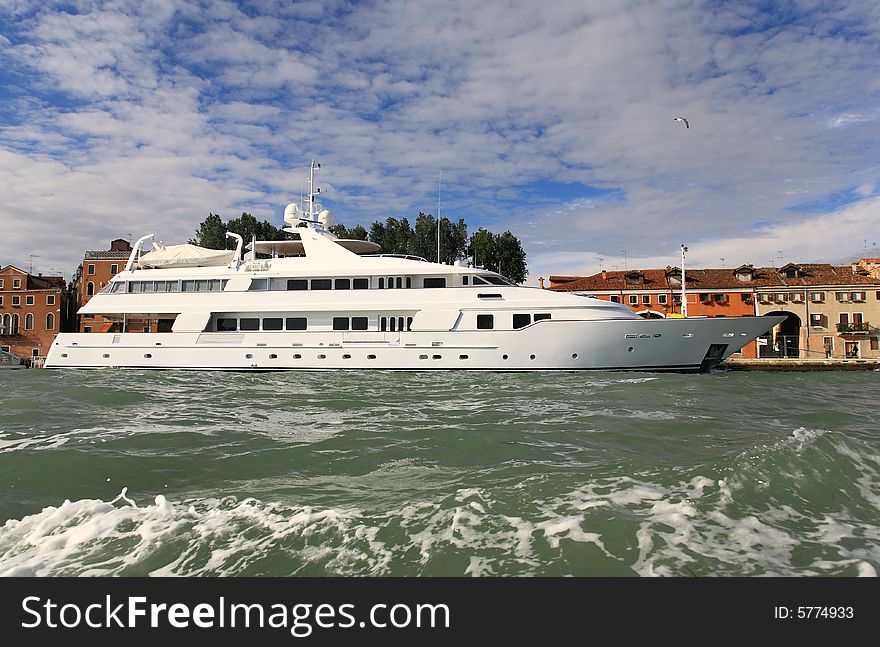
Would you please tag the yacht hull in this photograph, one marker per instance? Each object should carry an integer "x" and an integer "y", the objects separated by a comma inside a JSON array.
[{"x": 695, "y": 344}]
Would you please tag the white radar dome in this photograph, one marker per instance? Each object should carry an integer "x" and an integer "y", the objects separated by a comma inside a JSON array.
[
  {"x": 326, "y": 218},
  {"x": 292, "y": 214}
]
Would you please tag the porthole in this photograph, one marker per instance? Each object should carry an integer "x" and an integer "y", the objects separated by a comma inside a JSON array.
[
  {"x": 531, "y": 357},
  {"x": 462, "y": 357},
  {"x": 322, "y": 356},
  {"x": 63, "y": 354},
  {"x": 629, "y": 350},
  {"x": 106, "y": 355},
  {"x": 438, "y": 356},
  {"x": 346, "y": 356},
  {"x": 297, "y": 356},
  {"x": 248, "y": 356},
  {"x": 147, "y": 355},
  {"x": 423, "y": 357},
  {"x": 504, "y": 357},
  {"x": 273, "y": 356},
  {"x": 371, "y": 357},
  {"x": 574, "y": 355}
]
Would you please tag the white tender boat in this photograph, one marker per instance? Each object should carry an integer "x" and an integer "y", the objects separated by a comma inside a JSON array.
[{"x": 322, "y": 303}]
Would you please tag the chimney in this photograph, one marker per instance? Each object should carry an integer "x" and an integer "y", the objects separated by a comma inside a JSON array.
[
  {"x": 541, "y": 281},
  {"x": 604, "y": 275}
]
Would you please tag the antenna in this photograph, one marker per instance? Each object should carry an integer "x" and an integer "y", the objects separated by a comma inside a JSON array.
[
  {"x": 31, "y": 266},
  {"x": 625, "y": 268},
  {"x": 722, "y": 262},
  {"x": 684, "y": 303},
  {"x": 601, "y": 262},
  {"x": 439, "y": 181}
]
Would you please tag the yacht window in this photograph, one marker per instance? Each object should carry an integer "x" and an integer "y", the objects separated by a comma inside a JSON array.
[
  {"x": 542, "y": 316},
  {"x": 227, "y": 324},
  {"x": 249, "y": 324},
  {"x": 273, "y": 323},
  {"x": 465, "y": 280},
  {"x": 409, "y": 282},
  {"x": 495, "y": 280},
  {"x": 360, "y": 284},
  {"x": 358, "y": 323},
  {"x": 381, "y": 283},
  {"x": 435, "y": 282},
  {"x": 340, "y": 323},
  {"x": 400, "y": 327},
  {"x": 409, "y": 323},
  {"x": 297, "y": 284},
  {"x": 521, "y": 321},
  {"x": 399, "y": 283},
  {"x": 383, "y": 324},
  {"x": 295, "y": 323},
  {"x": 480, "y": 281},
  {"x": 321, "y": 284},
  {"x": 392, "y": 322},
  {"x": 485, "y": 322},
  {"x": 342, "y": 284},
  {"x": 391, "y": 282}
]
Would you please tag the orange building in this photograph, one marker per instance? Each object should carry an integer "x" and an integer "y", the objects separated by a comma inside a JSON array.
[
  {"x": 32, "y": 312},
  {"x": 793, "y": 290},
  {"x": 95, "y": 272}
]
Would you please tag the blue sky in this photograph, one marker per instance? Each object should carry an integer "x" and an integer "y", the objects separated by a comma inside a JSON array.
[{"x": 553, "y": 121}]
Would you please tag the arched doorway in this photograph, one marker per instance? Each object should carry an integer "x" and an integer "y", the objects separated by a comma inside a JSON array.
[
  {"x": 650, "y": 314},
  {"x": 785, "y": 339}
]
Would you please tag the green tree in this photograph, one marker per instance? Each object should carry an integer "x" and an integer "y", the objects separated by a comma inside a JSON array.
[
  {"x": 511, "y": 257},
  {"x": 453, "y": 239},
  {"x": 211, "y": 233},
  {"x": 355, "y": 233},
  {"x": 394, "y": 236},
  {"x": 481, "y": 249}
]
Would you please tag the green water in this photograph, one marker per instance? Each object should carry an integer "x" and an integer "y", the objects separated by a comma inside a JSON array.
[{"x": 374, "y": 473}]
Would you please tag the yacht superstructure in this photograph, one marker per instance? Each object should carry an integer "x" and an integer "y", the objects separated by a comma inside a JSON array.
[{"x": 322, "y": 303}]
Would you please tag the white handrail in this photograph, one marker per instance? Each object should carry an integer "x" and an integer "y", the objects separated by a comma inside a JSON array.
[
  {"x": 238, "y": 246},
  {"x": 136, "y": 249}
]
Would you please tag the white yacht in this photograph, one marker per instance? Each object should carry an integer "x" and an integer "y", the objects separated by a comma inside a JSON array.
[{"x": 322, "y": 303}]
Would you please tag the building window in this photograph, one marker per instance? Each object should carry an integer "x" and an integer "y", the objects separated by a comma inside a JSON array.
[
  {"x": 817, "y": 297},
  {"x": 16, "y": 284},
  {"x": 296, "y": 323},
  {"x": 35, "y": 352},
  {"x": 114, "y": 269},
  {"x": 16, "y": 300},
  {"x": 818, "y": 320},
  {"x": 844, "y": 318},
  {"x": 485, "y": 322},
  {"x": 361, "y": 284},
  {"x": 29, "y": 299},
  {"x": 874, "y": 345},
  {"x": 50, "y": 299},
  {"x": 90, "y": 289},
  {"x": 3, "y": 284},
  {"x": 1, "y": 299},
  {"x": 662, "y": 299},
  {"x": 521, "y": 321},
  {"x": 50, "y": 321},
  {"x": 29, "y": 321},
  {"x": 340, "y": 323},
  {"x": 615, "y": 298},
  {"x": 646, "y": 299},
  {"x": 719, "y": 298},
  {"x": 90, "y": 269},
  {"x": 321, "y": 284},
  {"x": 359, "y": 323},
  {"x": 704, "y": 297},
  {"x": 634, "y": 299},
  {"x": 435, "y": 282},
  {"x": 841, "y": 296},
  {"x": 87, "y": 329},
  {"x": 857, "y": 296}
]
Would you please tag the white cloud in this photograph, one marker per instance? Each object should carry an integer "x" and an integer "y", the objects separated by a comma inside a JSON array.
[{"x": 130, "y": 115}]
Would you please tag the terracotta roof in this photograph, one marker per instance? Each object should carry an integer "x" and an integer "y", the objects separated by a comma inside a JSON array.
[{"x": 809, "y": 274}]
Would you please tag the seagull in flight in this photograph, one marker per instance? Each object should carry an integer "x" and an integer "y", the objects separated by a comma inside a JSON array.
[{"x": 683, "y": 120}]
